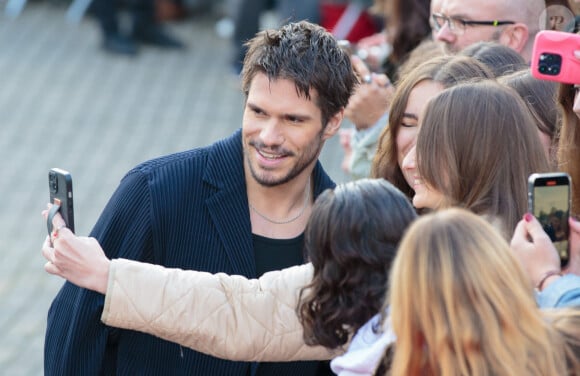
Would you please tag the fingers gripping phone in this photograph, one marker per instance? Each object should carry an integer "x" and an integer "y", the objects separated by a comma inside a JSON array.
[
  {"x": 61, "y": 197},
  {"x": 553, "y": 57},
  {"x": 549, "y": 201}
]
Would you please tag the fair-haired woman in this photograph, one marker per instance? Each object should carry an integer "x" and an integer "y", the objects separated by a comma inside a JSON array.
[
  {"x": 476, "y": 148},
  {"x": 471, "y": 311}
]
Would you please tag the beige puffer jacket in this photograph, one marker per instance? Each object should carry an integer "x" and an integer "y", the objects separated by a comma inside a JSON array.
[{"x": 225, "y": 316}]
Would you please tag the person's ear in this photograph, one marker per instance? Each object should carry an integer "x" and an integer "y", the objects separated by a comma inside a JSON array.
[
  {"x": 515, "y": 37},
  {"x": 333, "y": 125}
]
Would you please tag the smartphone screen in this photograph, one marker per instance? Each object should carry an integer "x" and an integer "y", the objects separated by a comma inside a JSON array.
[{"x": 550, "y": 203}]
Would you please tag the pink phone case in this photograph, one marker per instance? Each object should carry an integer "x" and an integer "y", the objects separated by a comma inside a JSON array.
[{"x": 553, "y": 57}]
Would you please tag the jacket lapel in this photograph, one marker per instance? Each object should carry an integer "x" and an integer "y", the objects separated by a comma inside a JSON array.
[{"x": 228, "y": 206}]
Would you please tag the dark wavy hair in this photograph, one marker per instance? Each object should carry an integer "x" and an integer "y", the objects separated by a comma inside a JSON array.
[
  {"x": 351, "y": 239},
  {"x": 309, "y": 56}
]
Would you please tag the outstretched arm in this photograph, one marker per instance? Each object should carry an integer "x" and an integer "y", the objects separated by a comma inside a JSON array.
[
  {"x": 230, "y": 317},
  {"x": 226, "y": 316}
]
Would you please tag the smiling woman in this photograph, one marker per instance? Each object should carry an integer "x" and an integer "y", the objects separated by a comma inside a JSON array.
[
  {"x": 413, "y": 91},
  {"x": 477, "y": 146}
]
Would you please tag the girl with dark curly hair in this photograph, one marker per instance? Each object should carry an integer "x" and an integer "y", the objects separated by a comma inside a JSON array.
[{"x": 305, "y": 312}]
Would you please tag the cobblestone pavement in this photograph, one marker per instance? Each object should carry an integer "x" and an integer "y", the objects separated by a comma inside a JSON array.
[{"x": 64, "y": 103}]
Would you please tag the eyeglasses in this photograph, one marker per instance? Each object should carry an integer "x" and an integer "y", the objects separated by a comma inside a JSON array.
[{"x": 457, "y": 25}]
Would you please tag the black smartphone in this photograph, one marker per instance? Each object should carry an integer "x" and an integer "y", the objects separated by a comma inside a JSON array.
[
  {"x": 60, "y": 189},
  {"x": 549, "y": 201}
]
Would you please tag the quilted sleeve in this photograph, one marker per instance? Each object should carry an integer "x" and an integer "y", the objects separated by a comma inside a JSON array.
[{"x": 230, "y": 317}]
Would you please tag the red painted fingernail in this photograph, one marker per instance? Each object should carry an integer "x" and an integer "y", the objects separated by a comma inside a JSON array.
[{"x": 528, "y": 217}]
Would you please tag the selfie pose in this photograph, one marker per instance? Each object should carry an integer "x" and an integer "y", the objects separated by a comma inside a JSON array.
[
  {"x": 222, "y": 208},
  {"x": 351, "y": 239},
  {"x": 236, "y": 303}
]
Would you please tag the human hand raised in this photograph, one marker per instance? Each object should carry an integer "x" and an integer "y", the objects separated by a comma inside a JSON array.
[
  {"x": 374, "y": 50},
  {"x": 371, "y": 98},
  {"x": 535, "y": 251},
  {"x": 574, "y": 263},
  {"x": 80, "y": 260}
]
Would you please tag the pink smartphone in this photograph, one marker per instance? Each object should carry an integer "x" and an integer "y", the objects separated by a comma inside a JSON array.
[{"x": 553, "y": 57}]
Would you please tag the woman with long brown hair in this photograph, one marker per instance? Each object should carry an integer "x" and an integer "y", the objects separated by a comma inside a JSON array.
[
  {"x": 411, "y": 95},
  {"x": 476, "y": 148}
]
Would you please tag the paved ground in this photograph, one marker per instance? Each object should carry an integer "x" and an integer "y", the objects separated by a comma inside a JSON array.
[{"x": 65, "y": 104}]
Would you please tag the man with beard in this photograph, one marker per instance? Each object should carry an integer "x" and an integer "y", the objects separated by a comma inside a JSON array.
[
  {"x": 513, "y": 23},
  {"x": 238, "y": 206}
]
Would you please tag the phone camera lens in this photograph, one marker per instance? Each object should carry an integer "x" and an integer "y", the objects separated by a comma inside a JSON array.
[
  {"x": 550, "y": 64},
  {"x": 53, "y": 183}
]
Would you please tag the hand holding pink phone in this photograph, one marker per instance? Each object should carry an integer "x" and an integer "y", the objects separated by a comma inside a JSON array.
[{"x": 555, "y": 57}]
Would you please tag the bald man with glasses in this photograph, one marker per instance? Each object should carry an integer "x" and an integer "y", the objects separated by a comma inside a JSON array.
[{"x": 513, "y": 23}]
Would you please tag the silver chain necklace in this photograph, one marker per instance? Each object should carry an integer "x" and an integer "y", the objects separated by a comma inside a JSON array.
[{"x": 306, "y": 198}]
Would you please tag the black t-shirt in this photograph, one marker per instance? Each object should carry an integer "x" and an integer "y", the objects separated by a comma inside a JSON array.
[{"x": 276, "y": 254}]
